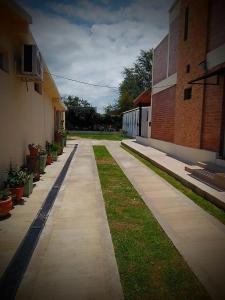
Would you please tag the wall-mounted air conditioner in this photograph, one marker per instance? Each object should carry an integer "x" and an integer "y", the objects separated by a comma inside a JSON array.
[{"x": 30, "y": 66}]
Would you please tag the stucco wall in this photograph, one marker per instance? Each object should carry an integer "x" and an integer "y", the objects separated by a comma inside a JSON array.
[{"x": 26, "y": 117}]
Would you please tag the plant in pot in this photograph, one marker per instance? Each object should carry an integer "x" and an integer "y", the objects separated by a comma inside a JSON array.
[
  {"x": 5, "y": 203},
  {"x": 43, "y": 159},
  {"x": 60, "y": 150},
  {"x": 48, "y": 149},
  {"x": 15, "y": 181},
  {"x": 54, "y": 151},
  {"x": 34, "y": 149},
  {"x": 28, "y": 187}
]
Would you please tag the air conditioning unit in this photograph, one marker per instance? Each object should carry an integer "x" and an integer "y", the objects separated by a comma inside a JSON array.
[{"x": 31, "y": 67}]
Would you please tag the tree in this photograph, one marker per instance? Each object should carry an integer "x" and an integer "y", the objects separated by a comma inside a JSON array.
[
  {"x": 136, "y": 80},
  {"x": 80, "y": 114}
]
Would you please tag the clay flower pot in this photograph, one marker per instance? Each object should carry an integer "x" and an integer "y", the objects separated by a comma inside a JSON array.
[
  {"x": 5, "y": 206},
  {"x": 49, "y": 160},
  {"x": 17, "y": 193},
  {"x": 33, "y": 151},
  {"x": 33, "y": 165}
]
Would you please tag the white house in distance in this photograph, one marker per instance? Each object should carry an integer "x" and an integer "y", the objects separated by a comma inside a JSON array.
[{"x": 137, "y": 121}]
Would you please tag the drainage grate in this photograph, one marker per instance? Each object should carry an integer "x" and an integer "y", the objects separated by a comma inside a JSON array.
[{"x": 12, "y": 277}]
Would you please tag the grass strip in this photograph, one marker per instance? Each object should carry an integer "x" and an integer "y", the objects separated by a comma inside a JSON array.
[
  {"x": 150, "y": 267},
  {"x": 112, "y": 136},
  {"x": 199, "y": 200}
]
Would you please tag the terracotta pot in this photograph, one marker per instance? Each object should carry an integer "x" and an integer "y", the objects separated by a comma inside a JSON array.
[
  {"x": 33, "y": 151},
  {"x": 49, "y": 160},
  {"x": 17, "y": 193},
  {"x": 5, "y": 206},
  {"x": 33, "y": 165},
  {"x": 58, "y": 138}
]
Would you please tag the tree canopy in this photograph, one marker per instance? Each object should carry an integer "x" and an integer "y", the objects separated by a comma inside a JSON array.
[{"x": 136, "y": 79}]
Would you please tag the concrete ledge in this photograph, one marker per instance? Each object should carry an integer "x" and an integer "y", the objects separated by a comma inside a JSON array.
[
  {"x": 185, "y": 153},
  {"x": 188, "y": 183}
]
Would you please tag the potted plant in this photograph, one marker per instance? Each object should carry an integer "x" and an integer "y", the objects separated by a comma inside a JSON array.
[
  {"x": 5, "y": 203},
  {"x": 54, "y": 152},
  {"x": 34, "y": 149},
  {"x": 60, "y": 150},
  {"x": 43, "y": 159},
  {"x": 49, "y": 157},
  {"x": 28, "y": 187},
  {"x": 15, "y": 181}
]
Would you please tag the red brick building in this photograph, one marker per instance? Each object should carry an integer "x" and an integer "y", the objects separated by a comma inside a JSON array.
[{"x": 188, "y": 94}]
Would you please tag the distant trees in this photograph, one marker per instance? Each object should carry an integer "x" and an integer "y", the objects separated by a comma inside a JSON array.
[
  {"x": 80, "y": 115},
  {"x": 136, "y": 79}
]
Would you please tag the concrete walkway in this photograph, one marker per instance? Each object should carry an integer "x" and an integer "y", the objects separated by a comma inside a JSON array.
[
  {"x": 74, "y": 258},
  {"x": 176, "y": 168},
  {"x": 13, "y": 229},
  {"x": 199, "y": 237}
]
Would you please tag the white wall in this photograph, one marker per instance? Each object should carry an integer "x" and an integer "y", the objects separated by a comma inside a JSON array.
[{"x": 130, "y": 122}]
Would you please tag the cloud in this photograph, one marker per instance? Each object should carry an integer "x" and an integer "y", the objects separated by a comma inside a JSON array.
[{"x": 92, "y": 42}]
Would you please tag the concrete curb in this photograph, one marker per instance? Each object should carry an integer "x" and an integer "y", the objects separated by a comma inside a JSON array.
[{"x": 185, "y": 182}]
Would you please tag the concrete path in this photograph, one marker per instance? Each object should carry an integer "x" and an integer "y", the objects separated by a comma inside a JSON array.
[
  {"x": 74, "y": 258},
  {"x": 177, "y": 168},
  {"x": 199, "y": 237},
  {"x": 13, "y": 229}
]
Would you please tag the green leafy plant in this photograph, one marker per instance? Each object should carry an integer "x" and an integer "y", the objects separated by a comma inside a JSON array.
[
  {"x": 48, "y": 147},
  {"x": 54, "y": 147},
  {"x": 42, "y": 151},
  {"x": 4, "y": 195},
  {"x": 34, "y": 146},
  {"x": 16, "y": 177},
  {"x": 26, "y": 171}
]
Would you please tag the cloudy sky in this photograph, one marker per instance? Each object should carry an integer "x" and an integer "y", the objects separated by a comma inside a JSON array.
[{"x": 93, "y": 40}]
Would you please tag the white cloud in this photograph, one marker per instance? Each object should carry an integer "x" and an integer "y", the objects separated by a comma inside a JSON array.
[{"x": 96, "y": 53}]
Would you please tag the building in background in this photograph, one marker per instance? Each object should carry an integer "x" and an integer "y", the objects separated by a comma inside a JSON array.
[
  {"x": 188, "y": 94},
  {"x": 137, "y": 121},
  {"x": 31, "y": 107}
]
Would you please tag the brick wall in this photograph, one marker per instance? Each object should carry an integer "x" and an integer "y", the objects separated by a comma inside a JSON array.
[
  {"x": 212, "y": 118},
  {"x": 163, "y": 113},
  {"x": 160, "y": 61},
  {"x": 216, "y": 24},
  {"x": 173, "y": 46},
  {"x": 188, "y": 121}
]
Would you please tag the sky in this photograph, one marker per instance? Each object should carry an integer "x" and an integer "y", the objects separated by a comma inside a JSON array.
[{"x": 93, "y": 40}]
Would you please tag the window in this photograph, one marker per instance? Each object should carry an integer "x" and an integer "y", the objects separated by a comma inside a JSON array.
[
  {"x": 38, "y": 87},
  {"x": 186, "y": 21},
  {"x": 4, "y": 63},
  {"x": 187, "y": 68},
  {"x": 187, "y": 93}
]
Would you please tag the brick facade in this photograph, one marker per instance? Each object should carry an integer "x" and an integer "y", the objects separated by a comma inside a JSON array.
[
  {"x": 160, "y": 61},
  {"x": 188, "y": 120},
  {"x": 173, "y": 46},
  {"x": 163, "y": 114},
  {"x": 213, "y": 115},
  {"x": 216, "y": 24},
  {"x": 197, "y": 122}
]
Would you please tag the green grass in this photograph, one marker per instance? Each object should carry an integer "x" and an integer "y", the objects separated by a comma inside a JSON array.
[
  {"x": 150, "y": 267},
  {"x": 199, "y": 200},
  {"x": 112, "y": 136}
]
